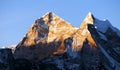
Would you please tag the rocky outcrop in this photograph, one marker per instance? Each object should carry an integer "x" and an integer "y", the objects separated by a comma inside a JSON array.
[{"x": 6, "y": 59}]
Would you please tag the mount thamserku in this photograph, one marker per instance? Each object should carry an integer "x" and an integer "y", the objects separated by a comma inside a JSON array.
[{"x": 54, "y": 44}]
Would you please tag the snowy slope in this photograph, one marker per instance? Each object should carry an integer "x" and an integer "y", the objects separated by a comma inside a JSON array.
[{"x": 103, "y": 25}]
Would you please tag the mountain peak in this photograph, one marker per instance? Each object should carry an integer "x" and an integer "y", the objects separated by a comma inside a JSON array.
[
  {"x": 47, "y": 33},
  {"x": 84, "y": 32},
  {"x": 48, "y": 13},
  {"x": 89, "y": 18},
  {"x": 89, "y": 13}
]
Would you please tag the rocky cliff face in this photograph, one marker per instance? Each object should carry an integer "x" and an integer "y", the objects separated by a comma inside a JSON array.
[{"x": 54, "y": 44}]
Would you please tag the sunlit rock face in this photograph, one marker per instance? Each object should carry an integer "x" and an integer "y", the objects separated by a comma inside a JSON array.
[
  {"x": 44, "y": 38},
  {"x": 83, "y": 33}
]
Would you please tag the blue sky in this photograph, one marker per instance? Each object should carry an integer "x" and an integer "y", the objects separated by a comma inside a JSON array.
[{"x": 16, "y": 16}]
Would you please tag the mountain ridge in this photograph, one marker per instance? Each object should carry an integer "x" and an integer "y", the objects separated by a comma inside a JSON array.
[{"x": 53, "y": 41}]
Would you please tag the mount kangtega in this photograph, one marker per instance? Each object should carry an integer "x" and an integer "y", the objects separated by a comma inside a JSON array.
[{"x": 51, "y": 43}]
